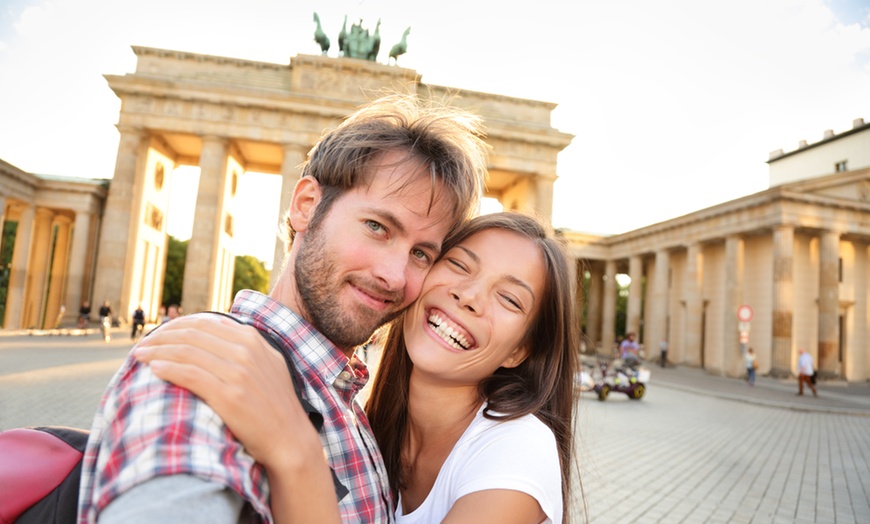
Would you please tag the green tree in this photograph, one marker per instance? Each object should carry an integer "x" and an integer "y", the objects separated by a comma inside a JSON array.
[
  {"x": 7, "y": 243},
  {"x": 250, "y": 273},
  {"x": 173, "y": 281}
]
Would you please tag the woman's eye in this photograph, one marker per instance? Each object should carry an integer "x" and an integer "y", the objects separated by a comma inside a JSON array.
[
  {"x": 457, "y": 264},
  {"x": 513, "y": 302}
]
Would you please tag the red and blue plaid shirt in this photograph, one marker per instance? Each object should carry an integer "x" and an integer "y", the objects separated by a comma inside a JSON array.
[{"x": 145, "y": 427}]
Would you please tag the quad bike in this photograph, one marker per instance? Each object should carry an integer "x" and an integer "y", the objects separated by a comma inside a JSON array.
[{"x": 614, "y": 375}]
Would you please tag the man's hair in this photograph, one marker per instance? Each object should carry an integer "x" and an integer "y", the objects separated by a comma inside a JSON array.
[{"x": 445, "y": 140}]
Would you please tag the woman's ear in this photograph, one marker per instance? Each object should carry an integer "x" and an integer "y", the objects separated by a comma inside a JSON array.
[
  {"x": 306, "y": 196},
  {"x": 516, "y": 357}
]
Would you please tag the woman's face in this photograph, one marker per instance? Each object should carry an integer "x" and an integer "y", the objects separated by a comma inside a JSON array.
[{"x": 476, "y": 305}]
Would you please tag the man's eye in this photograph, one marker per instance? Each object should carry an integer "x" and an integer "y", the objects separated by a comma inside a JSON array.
[
  {"x": 374, "y": 226},
  {"x": 421, "y": 255}
]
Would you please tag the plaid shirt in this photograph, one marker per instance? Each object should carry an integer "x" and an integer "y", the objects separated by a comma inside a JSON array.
[{"x": 145, "y": 428}]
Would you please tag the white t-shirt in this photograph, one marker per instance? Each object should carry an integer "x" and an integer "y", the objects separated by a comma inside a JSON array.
[{"x": 519, "y": 455}]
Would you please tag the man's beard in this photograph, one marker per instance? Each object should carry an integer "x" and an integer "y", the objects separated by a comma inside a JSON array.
[{"x": 319, "y": 288}]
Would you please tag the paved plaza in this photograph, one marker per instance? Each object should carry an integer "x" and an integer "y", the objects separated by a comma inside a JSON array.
[{"x": 695, "y": 449}]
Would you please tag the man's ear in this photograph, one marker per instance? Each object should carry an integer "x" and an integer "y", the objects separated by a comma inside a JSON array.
[
  {"x": 516, "y": 357},
  {"x": 306, "y": 196}
]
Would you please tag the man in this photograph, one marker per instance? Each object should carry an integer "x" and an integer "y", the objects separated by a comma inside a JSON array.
[
  {"x": 138, "y": 321},
  {"x": 628, "y": 351},
  {"x": 805, "y": 372},
  {"x": 377, "y": 197},
  {"x": 105, "y": 310}
]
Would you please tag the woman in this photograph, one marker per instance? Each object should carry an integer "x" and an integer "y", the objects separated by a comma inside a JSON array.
[
  {"x": 473, "y": 401},
  {"x": 751, "y": 365}
]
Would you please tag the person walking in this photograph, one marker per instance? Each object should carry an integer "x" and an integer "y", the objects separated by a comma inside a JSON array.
[
  {"x": 663, "y": 349},
  {"x": 805, "y": 372},
  {"x": 138, "y": 322},
  {"x": 751, "y": 365}
]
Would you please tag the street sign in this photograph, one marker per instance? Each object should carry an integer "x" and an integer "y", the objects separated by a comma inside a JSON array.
[
  {"x": 743, "y": 326},
  {"x": 744, "y": 337},
  {"x": 744, "y": 313}
]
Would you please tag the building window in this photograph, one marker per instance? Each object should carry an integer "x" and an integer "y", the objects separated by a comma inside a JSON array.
[{"x": 841, "y": 166}]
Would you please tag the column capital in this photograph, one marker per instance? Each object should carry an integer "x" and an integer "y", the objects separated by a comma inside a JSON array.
[
  {"x": 293, "y": 147},
  {"x": 62, "y": 219},
  {"x": 44, "y": 212},
  {"x": 131, "y": 130}
]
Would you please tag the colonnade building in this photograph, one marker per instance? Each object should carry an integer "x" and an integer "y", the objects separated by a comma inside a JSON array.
[{"x": 798, "y": 254}]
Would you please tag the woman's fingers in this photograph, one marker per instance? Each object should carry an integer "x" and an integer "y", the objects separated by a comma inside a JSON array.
[{"x": 236, "y": 372}]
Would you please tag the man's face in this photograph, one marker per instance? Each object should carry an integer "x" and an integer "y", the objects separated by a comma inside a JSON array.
[{"x": 365, "y": 261}]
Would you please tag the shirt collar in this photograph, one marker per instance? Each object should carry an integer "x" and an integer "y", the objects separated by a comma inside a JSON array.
[{"x": 305, "y": 343}]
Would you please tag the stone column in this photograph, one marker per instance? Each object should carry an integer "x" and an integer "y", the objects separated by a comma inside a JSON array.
[
  {"x": 783, "y": 301},
  {"x": 294, "y": 156},
  {"x": 18, "y": 272},
  {"x": 2, "y": 212},
  {"x": 730, "y": 361},
  {"x": 37, "y": 275},
  {"x": 828, "y": 358},
  {"x": 593, "y": 305},
  {"x": 608, "y": 322},
  {"x": 657, "y": 311},
  {"x": 59, "y": 262},
  {"x": 694, "y": 279},
  {"x": 120, "y": 226},
  {"x": 76, "y": 288},
  {"x": 576, "y": 270},
  {"x": 544, "y": 199},
  {"x": 635, "y": 297},
  {"x": 202, "y": 250}
]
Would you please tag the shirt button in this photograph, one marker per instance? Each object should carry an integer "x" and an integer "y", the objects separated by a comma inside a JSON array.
[{"x": 345, "y": 375}]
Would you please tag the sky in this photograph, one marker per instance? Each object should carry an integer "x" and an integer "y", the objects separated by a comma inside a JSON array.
[{"x": 674, "y": 105}]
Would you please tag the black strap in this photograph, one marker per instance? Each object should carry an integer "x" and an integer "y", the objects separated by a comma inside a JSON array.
[{"x": 314, "y": 416}]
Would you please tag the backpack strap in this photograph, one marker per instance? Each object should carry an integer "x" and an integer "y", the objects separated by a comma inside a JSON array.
[{"x": 314, "y": 416}]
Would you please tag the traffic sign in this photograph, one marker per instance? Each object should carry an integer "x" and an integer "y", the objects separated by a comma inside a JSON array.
[{"x": 744, "y": 313}]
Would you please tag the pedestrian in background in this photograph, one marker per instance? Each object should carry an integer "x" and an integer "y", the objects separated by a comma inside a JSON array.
[
  {"x": 663, "y": 347},
  {"x": 805, "y": 372},
  {"x": 751, "y": 365}
]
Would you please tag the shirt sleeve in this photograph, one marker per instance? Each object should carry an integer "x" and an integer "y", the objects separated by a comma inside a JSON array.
[
  {"x": 147, "y": 428},
  {"x": 519, "y": 455},
  {"x": 176, "y": 498}
]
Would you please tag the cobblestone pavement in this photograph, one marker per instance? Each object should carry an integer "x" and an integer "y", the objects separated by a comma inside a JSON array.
[{"x": 695, "y": 449}]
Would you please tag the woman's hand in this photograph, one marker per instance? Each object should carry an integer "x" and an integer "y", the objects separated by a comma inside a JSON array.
[{"x": 246, "y": 381}]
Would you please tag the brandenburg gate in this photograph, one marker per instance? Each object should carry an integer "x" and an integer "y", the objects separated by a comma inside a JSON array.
[{"x": 230, "y": 116}]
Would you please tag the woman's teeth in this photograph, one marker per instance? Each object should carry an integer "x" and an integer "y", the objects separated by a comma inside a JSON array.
[{"x": 451, "y": 336}]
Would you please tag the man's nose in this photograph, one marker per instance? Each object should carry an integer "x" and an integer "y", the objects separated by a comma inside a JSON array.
[{"x": 391, "y": 269}]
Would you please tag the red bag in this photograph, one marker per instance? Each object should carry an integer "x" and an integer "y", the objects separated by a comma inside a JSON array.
[{"x": 40, "y": 470}]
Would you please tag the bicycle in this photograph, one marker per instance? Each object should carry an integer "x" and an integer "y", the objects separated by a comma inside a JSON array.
[{"x": 106, "y": 327}]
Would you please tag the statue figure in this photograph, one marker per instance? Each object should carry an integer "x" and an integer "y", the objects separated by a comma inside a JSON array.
[
  {"x": 342, "y": 39},
  {"x": 320, "y": 37},
  {"x": 358, "y": 43},
  {"x": 375, "y": 43},
  {"x": 402, "y": 47}
]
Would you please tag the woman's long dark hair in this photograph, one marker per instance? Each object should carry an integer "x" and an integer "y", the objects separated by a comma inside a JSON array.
[{"x": 543, "y": 384}]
